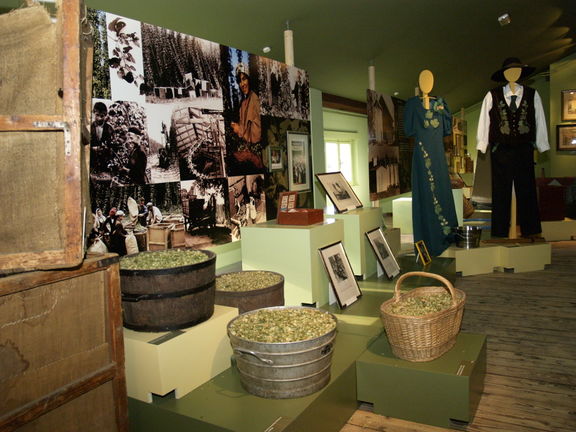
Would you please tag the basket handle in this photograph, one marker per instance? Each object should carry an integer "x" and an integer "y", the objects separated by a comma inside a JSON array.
[{"x": 442, "y": 279}]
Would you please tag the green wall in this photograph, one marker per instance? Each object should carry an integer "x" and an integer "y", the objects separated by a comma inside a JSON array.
[
  {"x": 357, "y": 125},
  {"x": 562, "y": 77}
]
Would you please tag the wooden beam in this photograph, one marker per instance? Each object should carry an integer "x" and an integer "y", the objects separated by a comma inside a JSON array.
[{"x": 343, "y": 104}]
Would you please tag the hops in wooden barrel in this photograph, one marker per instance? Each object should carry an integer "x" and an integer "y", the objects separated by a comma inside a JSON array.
[
  {"x": 168, "y": 289},
  {"x": 249, "y": 290}
]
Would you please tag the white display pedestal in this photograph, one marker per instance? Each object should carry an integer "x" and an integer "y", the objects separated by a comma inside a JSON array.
[
  {"x": 356, "y": 224},
  {"x": 293, "y": 252},
  {"x": 180, "y": 360},
  {"x": 402, "y": 211},
  {"x": 559, "y": 230},
  {"x": 520, "y": 257}
]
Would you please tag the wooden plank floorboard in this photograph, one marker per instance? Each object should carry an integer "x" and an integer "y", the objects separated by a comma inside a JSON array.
[{"x": 530, "y": 321}]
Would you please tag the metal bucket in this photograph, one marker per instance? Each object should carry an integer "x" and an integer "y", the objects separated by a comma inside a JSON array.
[
  {"x": 283, "y": 370},
  {"x": 468, "y": 237},
  {"x": 168, "y": 299},
  {"x": 246, "y": 301}
]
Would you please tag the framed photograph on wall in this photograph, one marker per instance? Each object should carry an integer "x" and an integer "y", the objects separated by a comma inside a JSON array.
[
  {"x": 340, "y": 274},
  {"x": 568, "y": 105},
  {"x": 566, "y": 138},
  {"x": 275, "y": 158},
  {"x": 383, "y": 253},
  {"x": 298, "y": 161},
  {"x": 339, "y": 191},
  {"x": 423, "y": 254}
]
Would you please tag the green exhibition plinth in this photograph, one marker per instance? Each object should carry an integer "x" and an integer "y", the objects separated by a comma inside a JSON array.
[
  {"x": 356, "y": 224},
  {"x": 443, "y": 392},
  {"x": 222, "y": 405},
  {"x": 292, "y": 251}
]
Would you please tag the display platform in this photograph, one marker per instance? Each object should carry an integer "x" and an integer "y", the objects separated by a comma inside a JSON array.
[
  {"x": 180, "y": 360},
  {"x": 223, "y": 405},
  {"x": 356, "y": 224},
  {"x": 436, "y": 393},
  {"x": 559, "y": 230},
  {"x": 293, "y": 252},
  {"x": 402, "y": 211},
  {"x": 516, "y": 257}
]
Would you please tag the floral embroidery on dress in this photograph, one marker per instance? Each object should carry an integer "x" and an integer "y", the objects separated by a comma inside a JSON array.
[
  {"x": 446, "y": 229},
  {"x": 429, "y": 117}
]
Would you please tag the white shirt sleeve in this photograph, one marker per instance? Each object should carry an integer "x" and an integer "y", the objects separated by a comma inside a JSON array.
[
  {"x": 542, "y": 143},
  {"x": 484, "y": 124}
]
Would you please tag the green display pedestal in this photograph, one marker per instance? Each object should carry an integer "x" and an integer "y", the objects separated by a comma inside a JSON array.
[
  {"x": 222, "y": 405},
  {"x": 356, "y": 224},
  {"x": 293, "y": 252},
  {"x": 440, "y": 392}
]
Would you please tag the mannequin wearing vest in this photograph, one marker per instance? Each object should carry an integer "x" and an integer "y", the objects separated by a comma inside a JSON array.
[{"x": 512, "y": 122}]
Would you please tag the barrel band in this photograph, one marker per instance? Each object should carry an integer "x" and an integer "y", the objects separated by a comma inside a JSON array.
[{"x": 136, "y": 297}]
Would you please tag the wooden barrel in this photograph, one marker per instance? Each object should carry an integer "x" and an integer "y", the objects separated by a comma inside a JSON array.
[
  {"x": 170, "y": 298},
  {"x": 245, "y": 301},
  {"x": 283, "y": 370}
]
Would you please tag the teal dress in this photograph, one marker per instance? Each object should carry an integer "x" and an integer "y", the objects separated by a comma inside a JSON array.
[{"x": 433, "y": 212}]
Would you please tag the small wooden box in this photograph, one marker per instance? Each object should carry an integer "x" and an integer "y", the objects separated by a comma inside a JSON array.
[
  {"x": 300, "y": 217},
  {"x": 288, "y": 214}
]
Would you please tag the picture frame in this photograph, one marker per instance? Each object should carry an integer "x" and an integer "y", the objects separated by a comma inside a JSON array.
[
  {"x": 423, "y": 254},
  {"x": 383, "y": 253},
  {"x": 298, "y": 161},
  {"x": 286, "y": 201},
  {"x": 340, "y": 274},
  {"x": 566, "y": 138},
  {"x": 275, "y": 158},
  {"x": 568, "y": 107},
  {"x": 339, "y": 191}
]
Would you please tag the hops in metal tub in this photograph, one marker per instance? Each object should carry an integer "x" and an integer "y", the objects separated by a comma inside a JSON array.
[{"x": 283, "y": 325}]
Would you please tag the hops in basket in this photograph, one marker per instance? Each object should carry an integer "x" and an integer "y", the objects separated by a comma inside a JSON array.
[
  {"x": 419, "y": 306},
  {"x": 423, "y": 323}
]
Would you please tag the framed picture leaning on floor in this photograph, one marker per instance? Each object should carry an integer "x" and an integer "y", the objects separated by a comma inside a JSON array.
[
  {"x": 383, "y": 253},
  {"x": 340, "y": 274}
]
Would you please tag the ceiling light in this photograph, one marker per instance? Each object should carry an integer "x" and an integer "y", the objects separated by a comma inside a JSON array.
[
  {"x": 266, "y": 49},
  {"x": 504, "y": 19}
]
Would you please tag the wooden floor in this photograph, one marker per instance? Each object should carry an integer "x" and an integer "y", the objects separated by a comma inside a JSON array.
[{"x": 530, "y": 320}]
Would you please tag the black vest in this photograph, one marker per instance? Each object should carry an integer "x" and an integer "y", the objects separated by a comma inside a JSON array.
[{"x": 508, "y": 128}]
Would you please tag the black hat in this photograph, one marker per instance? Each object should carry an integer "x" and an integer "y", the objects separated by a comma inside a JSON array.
[{"x": 509, "y": 63}]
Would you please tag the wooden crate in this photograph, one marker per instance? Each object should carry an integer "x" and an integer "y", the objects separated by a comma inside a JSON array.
[
  {"x": 62, "y": 352},
  {"x": 178, "y": 236},
  {"x": 159, "y": 236},
  {"x": 41, "y": 122}
]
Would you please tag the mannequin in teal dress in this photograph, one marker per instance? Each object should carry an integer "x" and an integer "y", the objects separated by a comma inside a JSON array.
[{"x": 433, "y": 212}]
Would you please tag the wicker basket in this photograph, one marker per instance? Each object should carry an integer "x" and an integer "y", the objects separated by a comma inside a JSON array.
[{"x": 423, "y": 338}]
